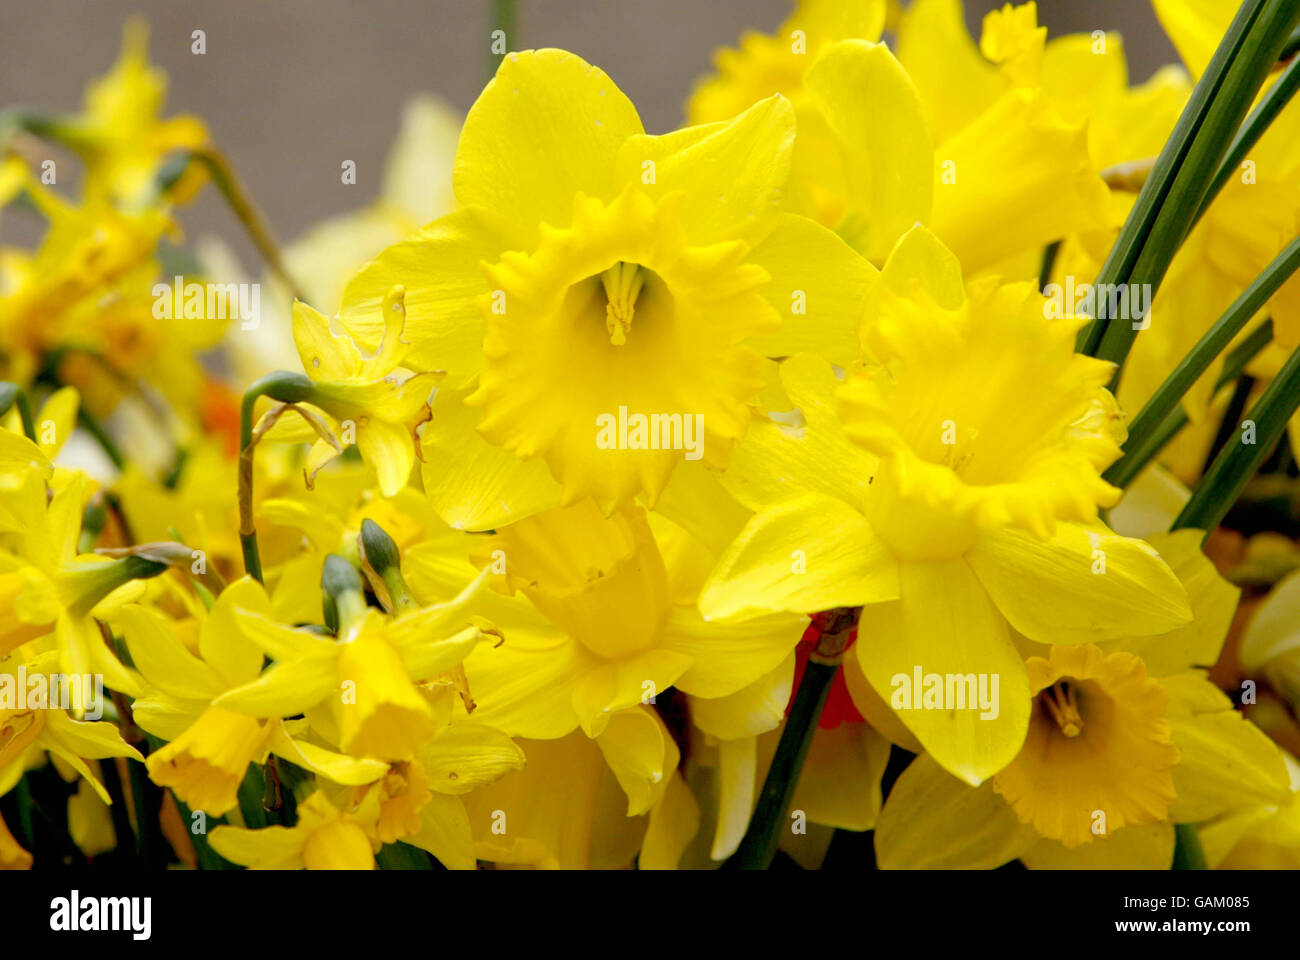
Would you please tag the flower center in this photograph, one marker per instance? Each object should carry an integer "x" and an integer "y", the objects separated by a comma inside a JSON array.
[
  {"x": 622, "y": 282},
  {"x": 1077, "y": 782},
  {"x": 1060, "y": 702}
]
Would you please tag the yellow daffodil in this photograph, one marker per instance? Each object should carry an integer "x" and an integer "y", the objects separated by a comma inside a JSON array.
[
  {"x": 58, "y": 593},
  {"x": 91, "y": 257},
  {"x": 1271, "y": 644},
  {"x": 876, "y": 153},
  {"x": 324, "y": 838},
  {"x": 1126, "y": 739},
  {"x": 958, "y": 499},
  {"x": 606, "y": 620},
  {"x": 211, "y": 746},
  {"x": 12, "y": 854},
  {"x": 120, "y": 130},
  {"x": 30, "y": 729},
  {"x": 621, "y": 273},
  {"x": 416, "y": 190},
  {"x": 365, "y": 680},
  {"x": 364, "y": 398},
  {"x": 53, "y": 423},
  {"x": 590, "y": 804},
  {"x": 1266, "y": 836}
]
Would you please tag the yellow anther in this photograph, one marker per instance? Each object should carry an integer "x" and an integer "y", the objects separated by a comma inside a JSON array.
[
  {"x": 1064, "y": 708},
  {"x": 622, "y": 283}
]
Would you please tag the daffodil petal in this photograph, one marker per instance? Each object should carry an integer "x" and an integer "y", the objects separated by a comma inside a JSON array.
[
  {"x": 819, "y": 288},
  {"x": 802, "y": 556},
  {"x": 932, "y": 820},
  {"x": 284, "y": 689},
  {"x": 737, "y": 770},
  {"x": 778, "y": 461},
  {"x": 526, "y": 689},
  {"x": 731, "y": 173},
  {"x": 751, "y": 710},
  {"x": 473, "y": 484},
  {"x": 840, "y": 783},
  {"x": 641, "y": 754},
  {"x": 674, "y": 821},
  {"x": 446, "y": 833},
  {"x": 1213, "y": 601},
  {"x": 337, "y": 767},
  {"x": 1146, "y": 847},
  {"x": 466, "y": 756},
  {"x": 985, "y": 216},
  {"x": 618, "y": 685},
  {"x": 163, "y": 659},
  {"x": 944, "y": 623},
  {"x": 440, "y": 271},
  {"x": 954, "y": 81},
  {"x": 548, "y": 125},
  {"x": 1084, "y": 585},
  {"x": 1226, "y": 763},
  {"x": 875, "y": 112}
]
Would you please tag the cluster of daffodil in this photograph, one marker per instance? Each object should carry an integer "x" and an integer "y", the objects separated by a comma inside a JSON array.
[{"x": 757, "y": 489}]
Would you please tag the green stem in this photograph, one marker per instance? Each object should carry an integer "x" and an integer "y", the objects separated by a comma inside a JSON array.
[
  {"x": 1188, "y": 854},
  {"x": 504, "y": 19},
  {"x": 96, "y": 429},
  {"x": 1214, "y": 342},
  {"x": 1183, "y": 171},
  {"x": 1236, "y": 463},
  {"x": 759, "y": 844},
  {"x": 1265, "y": 112},
  {"x": 237, "y": 198},
  {"x": 286, "y": 387},
  {"x": 1135, "y": 458}
]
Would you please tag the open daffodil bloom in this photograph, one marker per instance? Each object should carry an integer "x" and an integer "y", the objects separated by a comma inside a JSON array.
[
  {"x": 595, "y": 269},
  {"x": 962, "y": 501}
]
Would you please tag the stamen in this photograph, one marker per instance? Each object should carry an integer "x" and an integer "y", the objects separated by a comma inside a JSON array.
[
  {"x": 1064, "y": 708},
  {"x": 622, "y": 283}
]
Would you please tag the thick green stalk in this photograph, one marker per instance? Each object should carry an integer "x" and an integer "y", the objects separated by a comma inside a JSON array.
[
  {"x": 759, "y": 844},
  {"x": 1265, "y": 112},
  {"x": 1188, "y": 854},
  {"x": 1199, "y": 358},
  {"x": 1185, "y": 168},
  {"x": 1237, "y": 462},
  {"x": 1136, "y": 458}
]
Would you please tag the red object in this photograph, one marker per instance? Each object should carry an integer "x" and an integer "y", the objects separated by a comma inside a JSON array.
[
  {"x": 839, "y": 704},
  {"x": 219, "y": 414}
]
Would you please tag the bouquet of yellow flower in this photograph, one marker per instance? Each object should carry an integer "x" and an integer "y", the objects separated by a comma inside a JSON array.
[{"x": 888, "y": 467}]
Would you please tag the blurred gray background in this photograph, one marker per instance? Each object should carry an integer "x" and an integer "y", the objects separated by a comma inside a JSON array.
[{"x": 291, "y": 88}]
